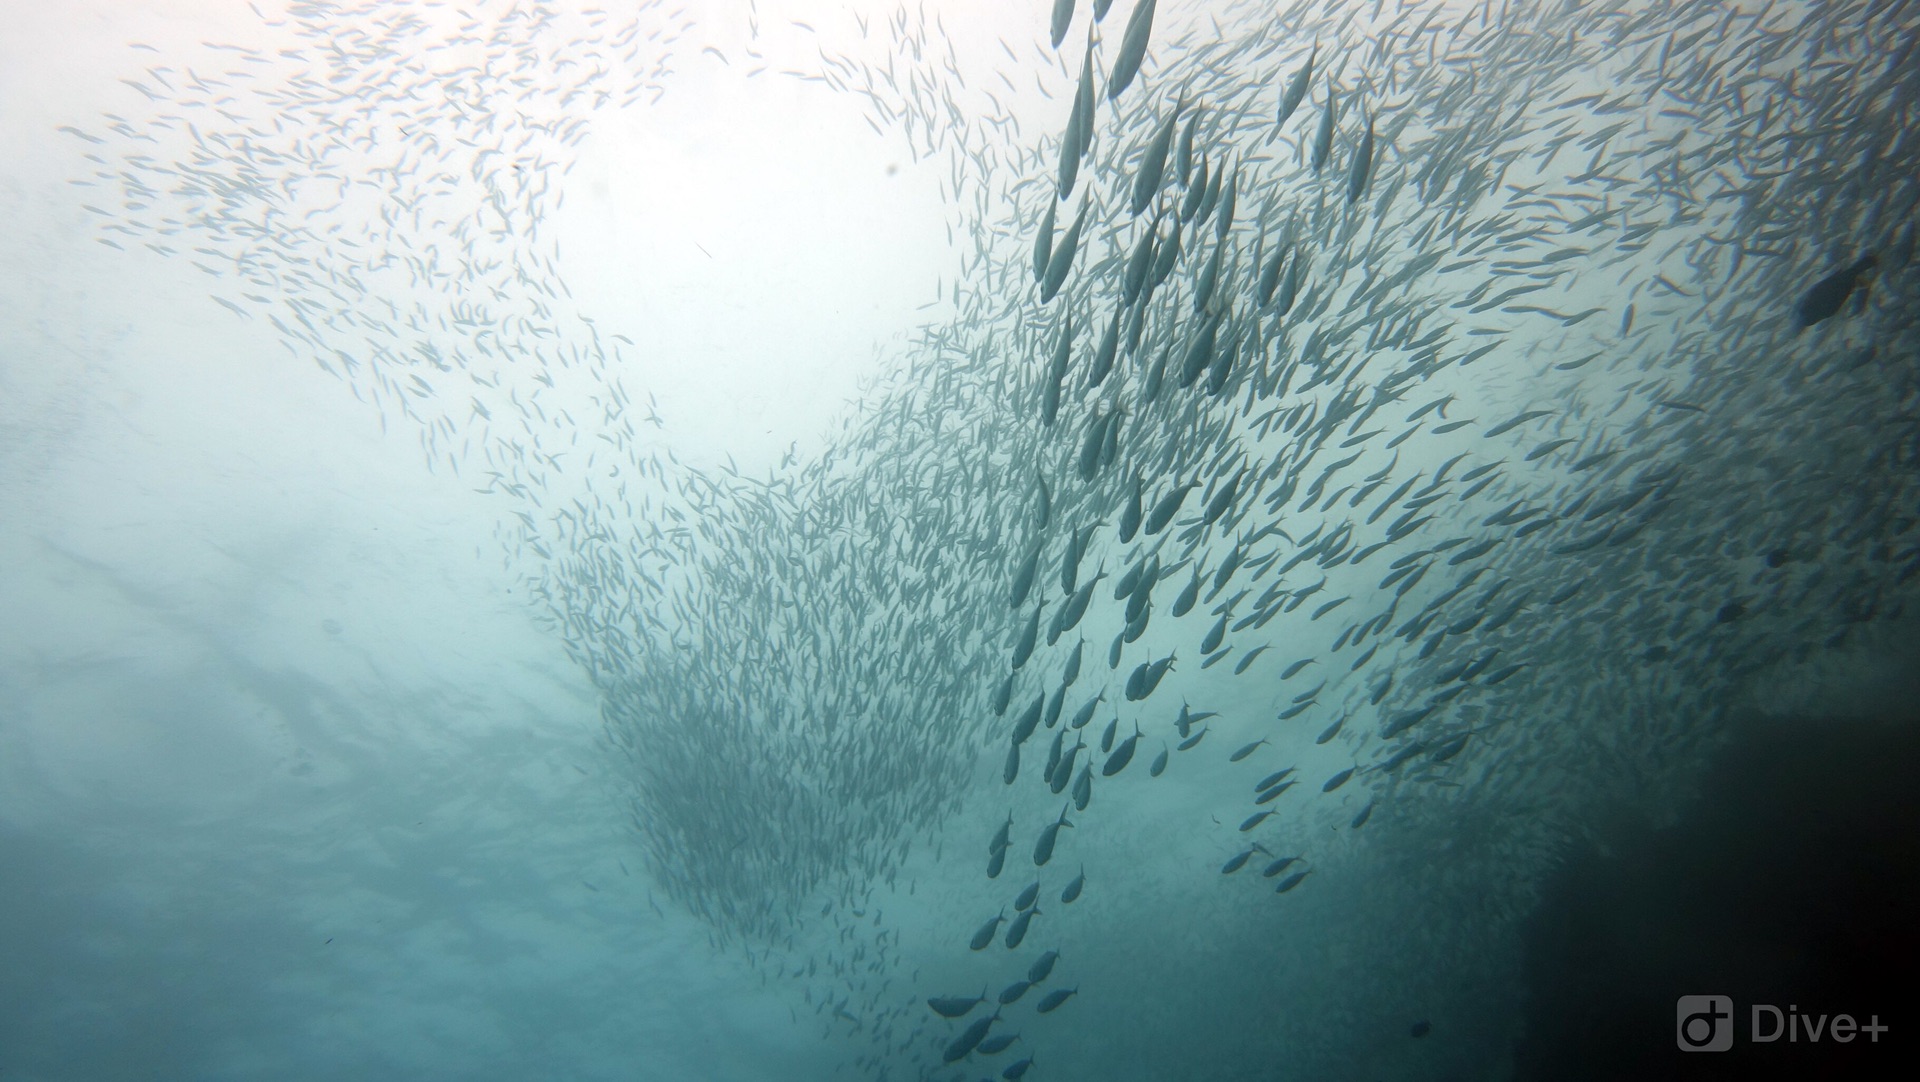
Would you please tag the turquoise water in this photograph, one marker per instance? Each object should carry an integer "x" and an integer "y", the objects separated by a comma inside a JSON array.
[{"x": 548, "y": 540}]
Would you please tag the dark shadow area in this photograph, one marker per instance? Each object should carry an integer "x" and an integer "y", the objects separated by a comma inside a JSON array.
[{"x": 1794, "y": 882}]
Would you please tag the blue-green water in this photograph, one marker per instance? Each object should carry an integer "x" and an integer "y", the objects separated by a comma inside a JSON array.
[{"x": 547, "y": 540}]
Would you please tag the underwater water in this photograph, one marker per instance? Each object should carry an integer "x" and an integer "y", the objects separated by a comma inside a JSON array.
[{"x": 1064, "y": 540}]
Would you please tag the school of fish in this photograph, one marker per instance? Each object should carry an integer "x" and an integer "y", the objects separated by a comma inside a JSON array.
[{"x": 1399, "y": 420}]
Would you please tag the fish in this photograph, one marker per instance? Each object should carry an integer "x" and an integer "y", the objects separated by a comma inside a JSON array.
[
  {"x": 1246, "y": 751},
  {"x": 1001, "y": 838},
  {"x": 1133, "y": 49},
  {"x": 1029, "y": 719},
  {"x": 1130, "y": 516},
  {"x": 1824, "y": 299},
  {"x": 1050, "y": 396},
  {"x": 986, "y": 933},
  {"x": 1043, "y": 847},
  {"x": 1248, "y": 658},
  {"x": 1279, "y": 865},
  {"x": 1071, "y": 892},
  {"x": 1122, "y": 755},
  {"x": 1146, "y": 677},
  {"x": 1062, "y": 19},
  {"x": 1027, "y": 895},
  {"x": 1023, "y": 646},
  {"x": 1043, "y": 244},
  {"x": 969, "y": 1039},
  {"x": 1362, "y": 166},
  {"x": 1270, "y": 276},
  {"x": 1323, "y": 136},
  {"x": 1041, "y": 968},
  {"x": 1060, "y": 261},
  {"x": 1272, "y": 779},
  {"x": 1055, "y": 998},
  {"x": 1008, "y": 997},
  {"x": 1514, "y": 422},
  {"x": 1237, "y": 861},
  {"x": 1017, "y": 931},
  {"x": 1296, "y": 91},
  {"x": 1147, "y": 179},
  {"x": 955, "y": 1006}
]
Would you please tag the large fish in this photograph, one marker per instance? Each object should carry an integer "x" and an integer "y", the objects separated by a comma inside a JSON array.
[
  {"x": 1827, "y": 296},
  {"x": 1133, "y": 48},
  {"x": 1296, "y": 91}
]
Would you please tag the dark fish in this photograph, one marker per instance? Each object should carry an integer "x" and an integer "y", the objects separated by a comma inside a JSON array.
[
  {"x": 1153, "y": 167},
  {"x": 1060, "y": 995},
  {"x": 1830, "y": 294},
  {"x": 1337, "y": 780},
  {"x": 985, "y": 935},
  {"x": 1017, "y": 931},
  {"x": 1296, "y": 91},
  {"x": 970, "y": 1039},
  {"x": 1130, "y": 517},
  {"x": 1246, "y": 751},
  {"x": 1009, "y": 996},
  {"x": 1027, "y": 896},
  {"x": 1291, "y": 881},
  {"x": 1072, "y": 891},
  {"x": 1023, "y": 578},
  {"x": 1272, "y": 779},
  {"x": 1029, "y": 720},
  {"x": 1168, "y": 506},
  {"x": 1023, "y": 646},
  {"x": 1274, "y": 793},
  {"x": 1061, "y": 261},
  {"x": 1122, "y": 755},
  {"x": 955, "y": 1006},
  {"x": 1277, "y": 867},
  {"x": 1323, "y": 137},
  {"x": 1041, "y": 968},
  {"x": 1043, "y": 848},
  {"x": 1362, "y": 166},
  {"x": 1043, "y": 245},
  {"x": 1062, "y": 19},
  {"x": 1421, "y": 1028},
  {"x": 1270, "y": 276},
  {"x": 1233, "y": 864},
  {"x": 1133, "y": 49}
]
